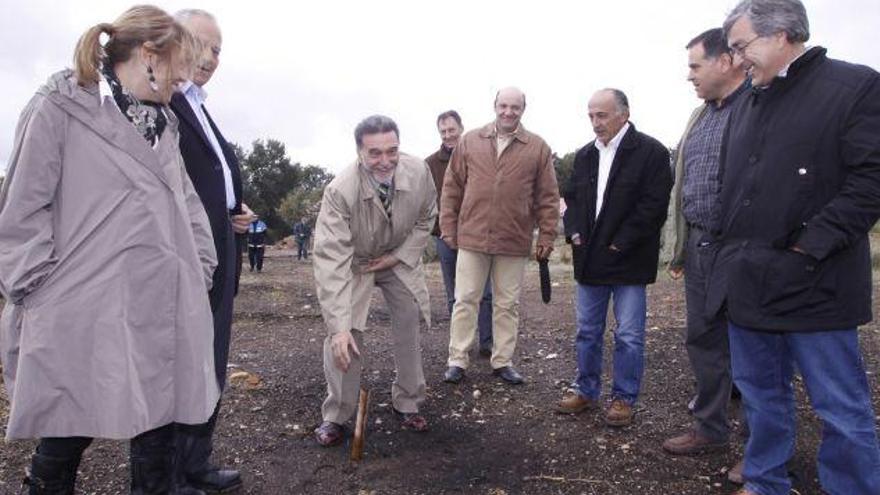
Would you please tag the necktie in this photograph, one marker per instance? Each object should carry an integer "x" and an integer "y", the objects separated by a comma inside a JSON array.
[{"x": 385, "y": 197}]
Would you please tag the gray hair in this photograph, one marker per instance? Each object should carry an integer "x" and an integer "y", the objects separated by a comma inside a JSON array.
[
  {"x": 620, "y": 99},
  {"x": 374, "y": 124},
  {"x": 769, "y": 17},
  {"x": 187, "y": 14}
]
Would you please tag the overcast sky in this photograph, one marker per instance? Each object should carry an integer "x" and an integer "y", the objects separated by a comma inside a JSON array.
[{"x": 306, "y": 72}]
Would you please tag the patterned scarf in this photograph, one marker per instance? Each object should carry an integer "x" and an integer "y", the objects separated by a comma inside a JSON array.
[{"x": 147, "y": 117}]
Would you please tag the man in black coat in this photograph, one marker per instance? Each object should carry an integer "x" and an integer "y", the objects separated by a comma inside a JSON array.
[
  {"x": 615, "y": 208},
  {"x": 800, "y": 191},
  {"x": 213, "y": 168}
]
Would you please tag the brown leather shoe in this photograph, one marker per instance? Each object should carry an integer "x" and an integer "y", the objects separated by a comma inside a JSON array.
[
  {"x": 692, "y": 443},
  {"x": 619, "y": 413},
  {"x": 329, "y": 434},
  {"x": 576, "y": 403},
  {"x": 411, "y": 421},
  {"x": 735, "y": 475}
]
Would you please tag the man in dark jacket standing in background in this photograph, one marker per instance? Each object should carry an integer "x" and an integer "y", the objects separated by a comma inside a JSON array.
[
  {"x": 213, "y": 168},
  {"x": 450, "y": 128},
  {"x": 256, "y": 244},
  {"x": 800, "y": 191},
  {"x": 616, "y": 206},
  {"x": 302, "y": 232}
]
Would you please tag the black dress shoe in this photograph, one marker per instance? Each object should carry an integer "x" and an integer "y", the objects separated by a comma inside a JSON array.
[
  {"x": 453, "y": 374},
  {"x": 186, "y": 490},
  {"x": 509, "y": 375},
  {"x": 216, "y": 480}
]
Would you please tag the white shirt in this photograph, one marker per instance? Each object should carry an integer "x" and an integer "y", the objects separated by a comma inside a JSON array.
[
  {"x": 196, "y": 96},
  {"x": 606, "y": 158}
]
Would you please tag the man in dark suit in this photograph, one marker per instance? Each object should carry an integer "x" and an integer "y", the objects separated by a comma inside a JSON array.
[
  {"x": 800, "y": 175},
  {"x": 616, "y": 206},
  {"x": 214, "y": 171}
]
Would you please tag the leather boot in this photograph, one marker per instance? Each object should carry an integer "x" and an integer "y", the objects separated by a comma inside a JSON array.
[
  {"x": 50, "y": 475},
  {"x": 193, "y": 466},
  {"x": 195, "y": 444},
  {"x": 151, "y": 460}
]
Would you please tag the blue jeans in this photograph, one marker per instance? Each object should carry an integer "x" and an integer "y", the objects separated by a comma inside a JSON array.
[
  {"x": 834, "y": 376},
  {"x": 630, "y": 306},
  {"x": 447, "y": 266}
]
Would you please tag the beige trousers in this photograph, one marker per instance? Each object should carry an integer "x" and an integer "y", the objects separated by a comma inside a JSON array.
[
  {"x": 408, "y": 388},
  {"x": 506, "y": 275}
]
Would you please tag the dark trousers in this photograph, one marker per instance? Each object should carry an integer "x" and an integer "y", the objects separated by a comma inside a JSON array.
[
  {"x": 707, "y": 342},
  {"x": 302, "y": 249},
  {"x": 66, "y": 447},
  {"x": 194, "y": 445},
  {"x": 151, "y": 457},
  {"x": 255, "y": 257}
]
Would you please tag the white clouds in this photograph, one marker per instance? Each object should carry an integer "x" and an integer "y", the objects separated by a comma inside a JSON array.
[{"x": 306, "y": 72}]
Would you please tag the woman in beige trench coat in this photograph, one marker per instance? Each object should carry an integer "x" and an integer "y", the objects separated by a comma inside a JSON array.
[{"x": 105, "y": 260}]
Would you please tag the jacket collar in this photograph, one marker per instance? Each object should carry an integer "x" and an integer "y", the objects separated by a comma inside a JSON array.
[
  {"x": 444, "y": 154},
  {"x": 181, "y": 107},
  {"x": 731, "y": 98},
  {"x": 800, "y": 66},
  {"x": 630, "y": 140},
  {"x": 522, "y": 135},
  {"x": 84, "y": 105}
]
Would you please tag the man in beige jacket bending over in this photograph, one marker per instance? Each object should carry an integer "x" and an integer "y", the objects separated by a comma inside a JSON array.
[{"x": 374, "y": 223}]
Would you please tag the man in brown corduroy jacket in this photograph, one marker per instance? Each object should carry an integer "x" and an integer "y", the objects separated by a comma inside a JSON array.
[{"x": 499, "y": 186}]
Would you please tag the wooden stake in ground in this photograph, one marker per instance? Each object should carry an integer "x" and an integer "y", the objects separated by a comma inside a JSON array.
[{"x": 360, "y": 426}]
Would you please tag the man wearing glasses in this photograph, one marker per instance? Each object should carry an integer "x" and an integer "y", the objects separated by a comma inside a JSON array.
[{"x": 800, "y": 191}]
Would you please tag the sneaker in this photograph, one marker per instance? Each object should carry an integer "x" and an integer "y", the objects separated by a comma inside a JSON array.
[
  {"x": 619, "y": 413},
  {"x": 692, "y": 443},
  {"x": 576, "y": 403}
]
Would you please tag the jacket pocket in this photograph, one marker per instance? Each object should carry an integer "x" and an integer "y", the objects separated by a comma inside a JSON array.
[
  {"x": 577, "y": 258},
  {"x": 794, "y": 282}
]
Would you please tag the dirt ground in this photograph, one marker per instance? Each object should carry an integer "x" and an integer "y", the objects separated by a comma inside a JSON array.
[{"x": 504, "y": 440}]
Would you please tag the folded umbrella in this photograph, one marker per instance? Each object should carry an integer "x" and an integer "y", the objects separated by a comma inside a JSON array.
[{"x": 544, "y": 274}]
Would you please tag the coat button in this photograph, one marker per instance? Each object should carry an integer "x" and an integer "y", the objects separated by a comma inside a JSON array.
[
  {"x": 747, "y": 202},
  {"x": 753, "y": 159}
]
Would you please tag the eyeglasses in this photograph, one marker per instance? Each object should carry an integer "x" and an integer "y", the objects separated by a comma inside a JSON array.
[{"x": 741, "y": 49}]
